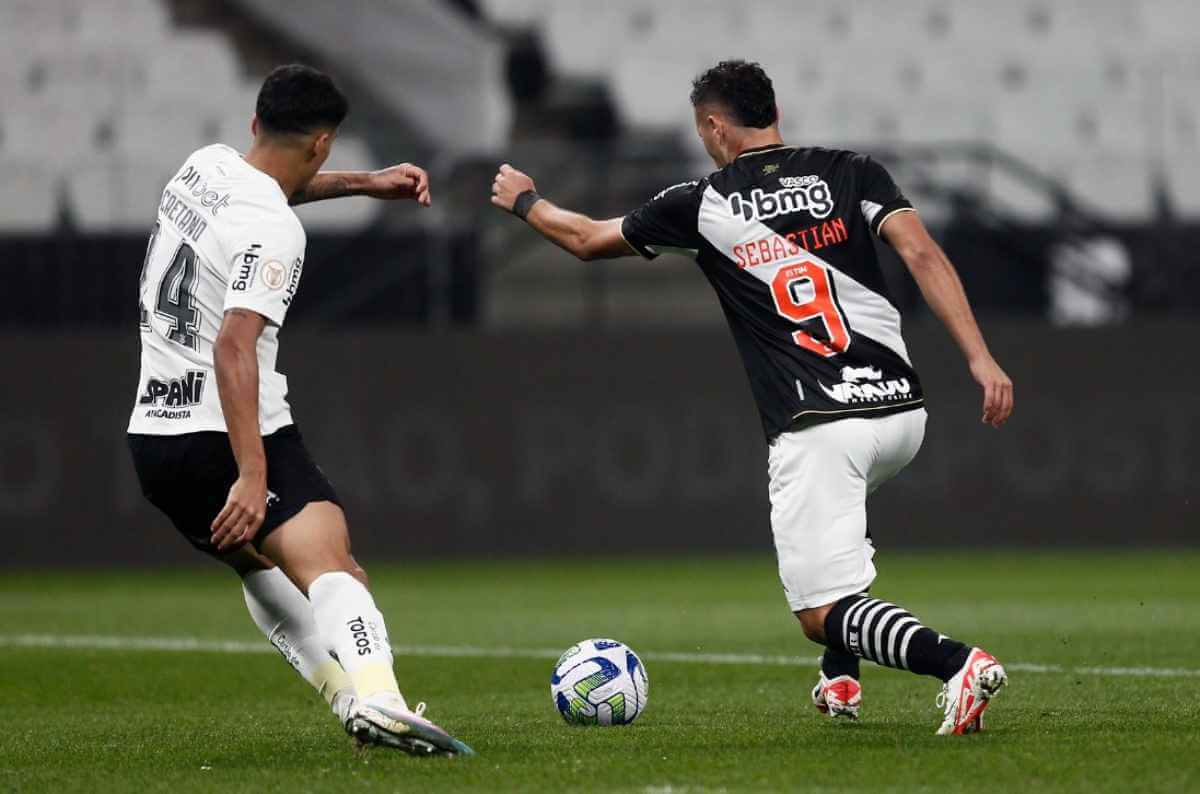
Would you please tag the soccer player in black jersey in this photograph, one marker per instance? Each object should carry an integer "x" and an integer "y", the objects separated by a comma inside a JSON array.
[{"x": 784, "y": 235}]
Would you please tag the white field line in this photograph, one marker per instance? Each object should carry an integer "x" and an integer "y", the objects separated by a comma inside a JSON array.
[{"x": 195, "y": 644}]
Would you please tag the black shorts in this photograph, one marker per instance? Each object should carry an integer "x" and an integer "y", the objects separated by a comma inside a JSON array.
[{"x": 188, "y": 477}]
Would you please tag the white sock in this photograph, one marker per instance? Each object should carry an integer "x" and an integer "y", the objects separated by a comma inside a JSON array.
[
  {"x": 285, "y": 616},
  {"x": 354, "y": 631}
]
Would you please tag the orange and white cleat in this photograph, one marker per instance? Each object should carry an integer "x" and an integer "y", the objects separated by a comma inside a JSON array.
[
  {"x": 838, "y": 697},
  {"x": 965, "y": 696}
]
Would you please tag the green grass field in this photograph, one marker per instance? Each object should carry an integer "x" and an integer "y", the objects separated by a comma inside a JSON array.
[{"x": 132, "y": 718}]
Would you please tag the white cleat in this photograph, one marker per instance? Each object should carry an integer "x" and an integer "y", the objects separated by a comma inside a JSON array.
[
  {"x": 965, "y": 696},
  {"x": 386, "y": 720},
  {"x": 838, "y": 697},
  {"x": 343, "y": 704}
]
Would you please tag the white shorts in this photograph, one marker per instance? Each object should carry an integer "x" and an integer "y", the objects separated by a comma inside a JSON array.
[{"x": 820, "y": 479}]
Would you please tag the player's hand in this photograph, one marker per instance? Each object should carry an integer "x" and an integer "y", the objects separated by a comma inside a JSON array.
[
  {"x": 404, "y": 181},
  {"x": 997, "y": 390},
  {"x": 509, "y": 184},
  {"x": 243, "y": 514}
]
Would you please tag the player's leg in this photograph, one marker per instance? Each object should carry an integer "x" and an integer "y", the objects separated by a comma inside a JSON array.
[
  {"x": 187, "y": 477},
  {"x": 313, "y": 548},
  {"x": 819, "y": 523},
  {"x": 285, "y": 617},
  {"x": 886, "y": 633}
]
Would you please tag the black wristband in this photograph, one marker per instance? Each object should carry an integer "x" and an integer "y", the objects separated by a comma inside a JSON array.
[{"x": 524, "y": 203}]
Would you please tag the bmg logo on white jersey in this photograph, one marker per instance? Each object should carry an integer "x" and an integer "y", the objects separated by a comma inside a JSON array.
[
  {"x": 244, "y": 274},
  {"x": 809, "y": 194}
]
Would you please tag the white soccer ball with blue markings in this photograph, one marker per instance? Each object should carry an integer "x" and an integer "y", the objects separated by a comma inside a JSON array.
[{"x": 599, "y": 682}]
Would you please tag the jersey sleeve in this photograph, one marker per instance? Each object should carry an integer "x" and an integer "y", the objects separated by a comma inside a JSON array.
[
  {"x": 667, "y": 222},
  {"x": 266, "y": 272},
  {"x": 879, "y": 197}
]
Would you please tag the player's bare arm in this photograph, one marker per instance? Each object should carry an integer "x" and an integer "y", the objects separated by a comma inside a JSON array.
[
  {"x": 235, "y": 358},
  {"x": 943, "y": 291},
  {"x": 397, "y": 182},
  {"x": 579, "y": 235}
]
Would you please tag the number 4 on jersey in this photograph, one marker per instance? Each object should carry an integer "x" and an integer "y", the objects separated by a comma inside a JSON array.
[
  {"x": 788, "y": 288},
  {"x": 174, "y": 298}
]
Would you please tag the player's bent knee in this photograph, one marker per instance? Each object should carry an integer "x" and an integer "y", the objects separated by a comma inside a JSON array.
[
  {"x": 246, "y": 560},
  {"x": 315, "y": 541},
  {"x": 812, "y": 621}
]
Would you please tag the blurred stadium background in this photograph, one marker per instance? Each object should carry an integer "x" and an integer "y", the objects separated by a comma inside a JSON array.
[{"x": 472, "y": 391}]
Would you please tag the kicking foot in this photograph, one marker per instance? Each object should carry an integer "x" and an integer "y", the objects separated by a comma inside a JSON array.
[
  {"x": 343, "y": 704},
  {"x": 838, "y": 697},
  {"x": 386, "y": 720},
  {"x": 965, "y": 696}
]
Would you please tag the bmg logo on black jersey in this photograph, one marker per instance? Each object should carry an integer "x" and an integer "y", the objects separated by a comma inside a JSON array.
[
  {"x": 176, "y": 392},
  {"x": 809, "y": 194}
]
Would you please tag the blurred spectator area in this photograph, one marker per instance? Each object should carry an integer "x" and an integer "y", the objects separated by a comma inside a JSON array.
[
  {"x": 103, "y": 99},
  {"x": 1102, "y": 94},
  {"x": 1022, "y": 130},
  {"x": 1026, "y": 131}
]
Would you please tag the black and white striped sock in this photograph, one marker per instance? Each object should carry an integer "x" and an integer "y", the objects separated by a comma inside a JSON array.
[{"x": 889, "y": 635}]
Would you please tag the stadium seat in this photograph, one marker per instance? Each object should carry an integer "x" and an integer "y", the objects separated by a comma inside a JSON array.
[
  {"x": 1183, "y": 188},
  {"x": 36, "y": 18},
  {"x": 933, "y": 120},
  {"x": 28, "y": 197},
  {"x": 198, "y": 69},
  {"x": 161, "y": 135},
  {"x": 1180, "y": 75},
  {"x": 515, "y": 12},
  {"x": 90, "y": 76},
  {"x": 144, "y": 21},
  {"x": 115, "y": 193},
  {"x": 47, "y": 134},
  {"x": 1169, "y": 23},
  {"x": 572, "y": 28},
  {"x": 654, "y": 92},
  {"x": 1033, "y": 24},
  {"x": 1117, "y": 184}
]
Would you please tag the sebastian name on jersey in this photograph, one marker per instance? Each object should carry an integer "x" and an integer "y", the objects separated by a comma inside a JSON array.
[
  {"x": 784, "y": 235},
  {"x": 225, "y": 238}
]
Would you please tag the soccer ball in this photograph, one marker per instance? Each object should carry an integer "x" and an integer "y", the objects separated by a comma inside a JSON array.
[{"x": 599, "y": 682}]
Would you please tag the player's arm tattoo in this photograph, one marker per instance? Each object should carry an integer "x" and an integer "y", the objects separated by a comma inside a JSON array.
[{"x": 323, "y": 186}]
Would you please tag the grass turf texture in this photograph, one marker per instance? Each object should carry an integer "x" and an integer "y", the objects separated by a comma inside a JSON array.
[{"x": 107, "y": 720}]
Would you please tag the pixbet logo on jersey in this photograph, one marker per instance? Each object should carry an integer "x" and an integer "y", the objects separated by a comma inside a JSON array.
[
  {"x": 809, "y": 194},
  {"x": 197, "y": 185}
]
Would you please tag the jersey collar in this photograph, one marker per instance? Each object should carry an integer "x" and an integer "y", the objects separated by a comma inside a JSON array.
[{"x": 760, "y": 149}]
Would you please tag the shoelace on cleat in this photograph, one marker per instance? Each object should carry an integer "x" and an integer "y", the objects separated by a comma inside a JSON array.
[
  {"x": 420, "y": 709},
  {"x": 943, "y": 699}
]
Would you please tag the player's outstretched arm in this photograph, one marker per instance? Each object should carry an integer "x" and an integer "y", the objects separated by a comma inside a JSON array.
[
  {"x": 575, "y": 233},
  {"x": 235, "y": 356},
  {"x": 944, "y": 293},
  {"x": 404, "y": 181}
]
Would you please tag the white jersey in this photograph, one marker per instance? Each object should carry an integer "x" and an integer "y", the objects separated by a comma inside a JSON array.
[{"x": 225, "y": 238}]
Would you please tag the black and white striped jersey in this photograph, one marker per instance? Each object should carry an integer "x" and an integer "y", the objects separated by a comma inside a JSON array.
[{"x": 784, "y": 235}]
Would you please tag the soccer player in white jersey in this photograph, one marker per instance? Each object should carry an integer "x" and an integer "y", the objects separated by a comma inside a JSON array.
[
  {"x": 785, "y": 236},
  {"x": 212, "y": 436}
]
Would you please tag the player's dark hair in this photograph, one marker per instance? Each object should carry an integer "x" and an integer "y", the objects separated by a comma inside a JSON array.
[
  {"x": 742, "y": 88},
  {"x": 299, "y": 99}
]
